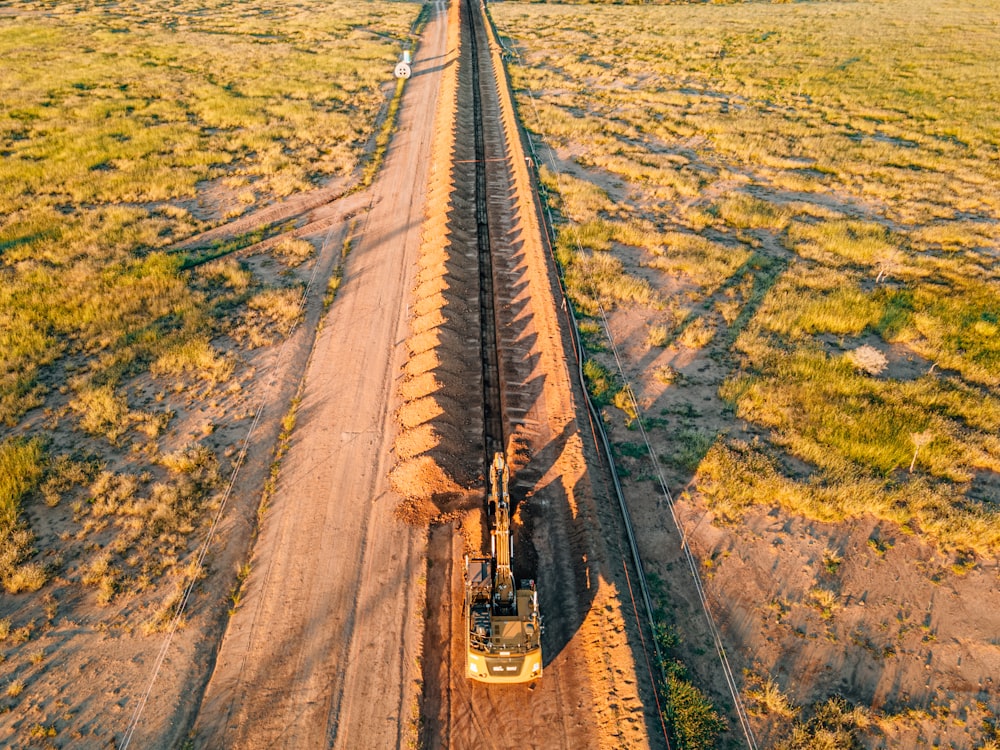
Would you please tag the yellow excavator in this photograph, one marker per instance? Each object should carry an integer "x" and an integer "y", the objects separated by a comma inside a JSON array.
[{"x": 503, "y": 627}]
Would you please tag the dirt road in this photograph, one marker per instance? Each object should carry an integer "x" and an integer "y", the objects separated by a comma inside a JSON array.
[{"x": 323, "y": 650}]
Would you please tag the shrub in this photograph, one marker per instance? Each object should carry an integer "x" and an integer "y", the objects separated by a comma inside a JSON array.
[
  {"x": 825, "y": 601},
  {"x": 691, "y": 716},
  {"x": 864, "y": 243},
  {"x": 834, "y": 724},
  {"x": 26, "y": 578},
  {"x": 697, "y": 334},
  {"x": 868, "y": 359},
  {"x": 769, "y": 700},
  {"x": 194, "y": 356},
  {"x": 271, "y": 312},
  {"x": 657, "y": 335},
  {"x": 624, "y": 400},
  {"x": 601, "y": 383},
  {"x": 294, "y": 251},
  {"x": 103, "y": 412}
]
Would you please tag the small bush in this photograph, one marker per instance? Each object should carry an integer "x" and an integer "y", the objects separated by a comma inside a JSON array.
[
  {"x": 691, "y": 716},
  {"x": 229, "y": 272},
  {"x": 831, "y": 562},
  {"x": 697, "y": 334},
  {"x": 665, "y": 374},
  {"x": 164, "y": 615},
  {"x": 62, "y": 475},
  {"x": 41, "y": 732},
  {"x": 195, "y": 356},
  {"x": 825, "y": 601},
  {"x": 625, "y": 400},
  {"x": 691, "y": 447},
  {"x": 601, "y": 383},
  {"x": 103, "y": 412},
  {"x": 26, "y": 578},
  {"x": 834, "y": 724},
  {"x": 769, "y": 700},
  {"x": 599, "y": 280},
  {"x": 294, "y": 251},
  {"x": 868, "y": 359},
  {"x": 657, "y": 335},
  {"x": 271, "y": 313}
]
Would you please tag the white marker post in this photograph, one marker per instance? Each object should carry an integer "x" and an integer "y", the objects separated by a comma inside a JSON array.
[{"x": 403, "y": 66}]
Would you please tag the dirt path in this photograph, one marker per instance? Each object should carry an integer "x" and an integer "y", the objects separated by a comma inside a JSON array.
[{"x": 323, "y": 650}]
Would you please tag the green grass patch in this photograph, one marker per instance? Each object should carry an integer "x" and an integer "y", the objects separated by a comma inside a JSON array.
[
  {"x": 813, "y": 184},
  {"x": 21, "y": 468},
  {"x": 599, "y": 280},
  {"x": 119, "y": 125},
  {"x": 601, "y": 382},
  {"x": 748, "y": 212},
  {"x": 705, "y": 262}
]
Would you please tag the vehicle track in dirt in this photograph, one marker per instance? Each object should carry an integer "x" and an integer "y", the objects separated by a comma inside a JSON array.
[{"x": 324, "y": 649}]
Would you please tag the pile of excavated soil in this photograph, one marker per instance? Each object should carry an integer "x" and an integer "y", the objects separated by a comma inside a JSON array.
[{"x": 438, "y": 446}]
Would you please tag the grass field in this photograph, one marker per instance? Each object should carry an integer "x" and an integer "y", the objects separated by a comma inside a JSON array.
[
  {"x": 124, "y": 129},
  {"x": 806, "y": 197},
  {"x": 819, "y": 185},
  {"x": 117, "y": 129}
]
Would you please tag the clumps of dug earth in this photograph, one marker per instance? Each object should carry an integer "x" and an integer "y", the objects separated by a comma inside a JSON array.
[{"x": 438, "y": 469}]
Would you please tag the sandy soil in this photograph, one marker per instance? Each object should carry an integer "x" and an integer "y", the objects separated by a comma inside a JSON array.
[
  {"x": 566, "y": 535},
  {"x": 325, "y": 650}
]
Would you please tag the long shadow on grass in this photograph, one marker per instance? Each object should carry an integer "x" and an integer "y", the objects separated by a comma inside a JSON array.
[{"x": 764, "y": 270}]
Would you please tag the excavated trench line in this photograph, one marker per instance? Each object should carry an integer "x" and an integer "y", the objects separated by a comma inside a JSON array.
[
  {"x": 493, "y": 413},
  {"x": 486, "y": 321}
]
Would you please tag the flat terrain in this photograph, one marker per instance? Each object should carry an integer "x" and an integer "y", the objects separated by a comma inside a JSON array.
[
  {"x": 258, "y": 387},
  {"x": 324, "y": 650},
  {"x": 778, "y": 224},
  {"x": 143, "y": 407}
]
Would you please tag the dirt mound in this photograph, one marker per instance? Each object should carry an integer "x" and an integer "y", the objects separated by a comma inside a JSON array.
[
  {"x": 418, "y": 386},
  {"x": 438, "y": 496},
  {"x": 438, "y": 470}
]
